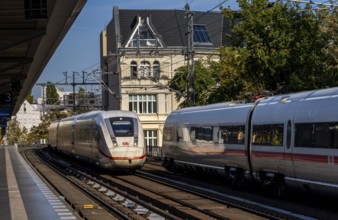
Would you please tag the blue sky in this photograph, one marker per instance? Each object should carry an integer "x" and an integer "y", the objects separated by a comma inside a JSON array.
[{"x": 79, "y": 51}]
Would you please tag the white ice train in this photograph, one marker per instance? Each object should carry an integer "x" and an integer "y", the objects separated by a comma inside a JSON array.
[
  {"x": 280, "y": 141},
  {"x": 110, "y": 139}
]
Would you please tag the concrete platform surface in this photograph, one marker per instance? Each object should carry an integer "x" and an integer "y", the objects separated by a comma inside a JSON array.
[{"x": 23, "y": 195}]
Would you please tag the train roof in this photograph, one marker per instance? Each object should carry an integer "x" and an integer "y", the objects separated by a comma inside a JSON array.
[
  {"x": 302, "y": 107},
  {"x": 103, "y": 114},
  {"x": 209, "y": 107},
  {"x": 302, "y": 96},
  {"x": 230, "y": 112}
]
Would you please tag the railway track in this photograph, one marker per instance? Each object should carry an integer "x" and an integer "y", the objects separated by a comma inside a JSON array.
[
  {"x": 148, "y": 196},
  {"x": 142, "y": 197}
]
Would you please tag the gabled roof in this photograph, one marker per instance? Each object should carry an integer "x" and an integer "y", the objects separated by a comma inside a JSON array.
[{"x": 170, "y": 25}]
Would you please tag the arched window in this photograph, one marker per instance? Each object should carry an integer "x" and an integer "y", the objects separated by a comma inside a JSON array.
[
  {"x": 156, "y": 69},
  {"x": 133, "y": 69},
  {"x": 145, "y": 69}
]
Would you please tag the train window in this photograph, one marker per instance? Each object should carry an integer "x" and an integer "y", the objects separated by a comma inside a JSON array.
[
  {"x": 201, "y": 133},
  {"x": 335, "y": 134},
  {"x": 232, "y": 134},
  {"x": 180, "y": 134},
  {"x": 317, "y": 135},
  {"x": 268, "y": 134},
  {"x": 304, "y": 135},
  {"x": 168, "y": 134},
  {"x": 122, "y": 126}
]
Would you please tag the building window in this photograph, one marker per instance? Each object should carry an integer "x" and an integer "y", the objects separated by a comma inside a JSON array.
[
  {"x": 143, "y": 104},
  {"x": 133, "y": 69},
  {"x": 201, "y": 34},
  {"x": 150, "y": 137},
  {"x": 145, "y": 69},
  {"x": 156, "y": 69}
]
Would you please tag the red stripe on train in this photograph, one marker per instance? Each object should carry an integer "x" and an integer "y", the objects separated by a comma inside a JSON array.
[
  {"x": 236, "y": 152},
  {"x": 294, "y": 157},
  {"x": 123, "y": 158},
  {"x": 129, "y": 158}
]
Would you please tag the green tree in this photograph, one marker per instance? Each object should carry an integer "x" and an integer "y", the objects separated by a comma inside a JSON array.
[
  {"x": 30, "y": 98},
  {"x": 81, "y": 96},
  {"x": 262, "y": 34},
  {"x": 204, "y": 81},
  {"x": 329, "y": 32},
  {"x": 231, "y": 78},
  {"x": 278, "y": 44},
  {"x": 52, "y": 95},
  {"x": 16, "y": 135}
]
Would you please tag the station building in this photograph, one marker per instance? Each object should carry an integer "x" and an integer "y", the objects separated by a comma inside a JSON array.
[{"x": 141, "y": 51}]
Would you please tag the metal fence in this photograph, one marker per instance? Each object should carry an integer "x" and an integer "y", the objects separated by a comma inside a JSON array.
[{"x": 154, "y": 152}]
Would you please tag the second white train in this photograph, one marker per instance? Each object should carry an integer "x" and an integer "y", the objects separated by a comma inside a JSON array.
[{"x": 280, "y": 141}]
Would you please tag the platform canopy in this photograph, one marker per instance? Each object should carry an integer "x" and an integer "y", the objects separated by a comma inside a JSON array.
[{"x": 30, "y": 32}]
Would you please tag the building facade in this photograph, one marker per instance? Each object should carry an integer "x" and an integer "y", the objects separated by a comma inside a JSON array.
[
  {"x": 29, "y": 115},
  {"x": 141, "y": 51}
]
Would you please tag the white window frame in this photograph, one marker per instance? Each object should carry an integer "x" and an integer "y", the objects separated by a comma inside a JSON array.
[
  {"x": 143, "y": 103},
  {"x": 145, "y": 69},
  {"x": 151, "y": 138}
]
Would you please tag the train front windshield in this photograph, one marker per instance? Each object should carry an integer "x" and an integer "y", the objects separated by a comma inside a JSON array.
[{"x": 122, "y": 127}]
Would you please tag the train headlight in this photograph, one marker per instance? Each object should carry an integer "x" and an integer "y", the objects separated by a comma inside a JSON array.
[
  {"x": 135, "y": 141},
  {"x": 114, "y": 142}
]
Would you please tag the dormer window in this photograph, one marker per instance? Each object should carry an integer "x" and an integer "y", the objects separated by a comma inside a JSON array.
[
  {"x": 143, "y": 38},
  {"x": 201, "y": 34},
  {"x": 144, "y": 35}
]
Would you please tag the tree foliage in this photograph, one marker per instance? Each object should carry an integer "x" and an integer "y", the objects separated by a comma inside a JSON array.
[
  {"x": 30, "y": 98},
  {"x": 52, "y": 95},
  {"x": 203, "y": 84},
  {"x": 16, "y": 135},
  {"x": 281, "y": 44},
  {"x": 81, "y": 96}
]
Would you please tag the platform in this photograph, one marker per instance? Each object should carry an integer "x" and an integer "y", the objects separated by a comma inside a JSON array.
[{"x": 23, "y": 195}]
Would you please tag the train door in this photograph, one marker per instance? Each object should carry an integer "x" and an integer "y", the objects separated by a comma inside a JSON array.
[
  {"x": 73, "y": 137},
  {"x": 57, "y": 136},
  {"x": 94, "y": 138},
  {"x": 288, "y": 149}
]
